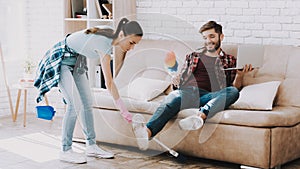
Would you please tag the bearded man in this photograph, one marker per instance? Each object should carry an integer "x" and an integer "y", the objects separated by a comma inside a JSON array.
[{"x": 202, "y": 83}]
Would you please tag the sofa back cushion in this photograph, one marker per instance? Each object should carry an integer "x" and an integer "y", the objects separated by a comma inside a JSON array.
[
  {"x": 281, "y": 63},
  {"x": 147, "y": 60},
  {"x": 144, "y": 89},
  {"x": 289, "y": 92},
  {"x": 230, "y": 49}
]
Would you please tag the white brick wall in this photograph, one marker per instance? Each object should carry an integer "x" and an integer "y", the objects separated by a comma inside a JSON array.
[
  {"x": 44, "y": 25},
  {"x": 13, "y": 47},
  {"x": 244, "y": 21},
  {"x": 31, "y": 27},
  {"x": 44, "y": 28}
]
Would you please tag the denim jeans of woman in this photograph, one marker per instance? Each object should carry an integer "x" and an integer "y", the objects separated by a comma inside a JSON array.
[
  {"x": 191, "y": 97},
  {"x": 72, "y": 86}
]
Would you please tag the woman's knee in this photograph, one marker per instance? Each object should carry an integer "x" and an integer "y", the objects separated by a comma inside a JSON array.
[
  {"x": 71, "y": 112},
  {"x": 88, "y": 104}
]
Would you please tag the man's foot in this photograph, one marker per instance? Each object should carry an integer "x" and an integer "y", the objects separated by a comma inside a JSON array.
[
  {"x": 95, "y": 151},
  {"x": 72, "y": 157},
  {"x": 193, "y": 122},
  {"x": 140, "y": 131}
]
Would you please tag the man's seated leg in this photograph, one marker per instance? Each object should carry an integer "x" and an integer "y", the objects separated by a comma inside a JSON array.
[{"x": 220, "y": 100}]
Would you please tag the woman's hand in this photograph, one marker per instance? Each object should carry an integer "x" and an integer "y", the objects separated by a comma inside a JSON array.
[
  {"x": 127, "y": 116},
  {"x": 123, "y": 110}
]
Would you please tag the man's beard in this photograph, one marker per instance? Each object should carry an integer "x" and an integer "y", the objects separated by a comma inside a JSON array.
[{"x": 217, "y": 46}]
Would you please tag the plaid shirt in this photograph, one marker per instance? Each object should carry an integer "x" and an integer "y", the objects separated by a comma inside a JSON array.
[
  {"x": 225, "y": 78},
  {"x": 48, "y": 71}
]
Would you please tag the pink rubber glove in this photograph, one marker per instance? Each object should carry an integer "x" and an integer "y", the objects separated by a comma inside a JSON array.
[{"x": 123, "y": 110}]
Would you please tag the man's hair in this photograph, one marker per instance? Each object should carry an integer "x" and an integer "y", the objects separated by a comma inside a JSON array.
[{"x": 211, "y": 25}]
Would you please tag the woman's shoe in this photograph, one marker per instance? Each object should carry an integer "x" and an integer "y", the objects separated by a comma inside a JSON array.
[
  {"x": 72, "y": 157},
  {"x": 95, "y": 151}
]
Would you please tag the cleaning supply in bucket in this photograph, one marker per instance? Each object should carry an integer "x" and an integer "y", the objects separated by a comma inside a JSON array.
[{"x": 45, "y": 112}]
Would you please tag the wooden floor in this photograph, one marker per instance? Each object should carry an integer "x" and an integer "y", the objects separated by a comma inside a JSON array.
[{"x": 37, "y": 147}]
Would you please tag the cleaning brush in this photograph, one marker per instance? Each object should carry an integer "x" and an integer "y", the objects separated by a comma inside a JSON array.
[
  {"x": 138, "y": 118},
  {"x": 180, "y": 158}
]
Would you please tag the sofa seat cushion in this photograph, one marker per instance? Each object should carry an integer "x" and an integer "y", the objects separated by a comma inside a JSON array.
[
  {"x": 103, "y": 99},
  {"x": 280, "y": 116}
]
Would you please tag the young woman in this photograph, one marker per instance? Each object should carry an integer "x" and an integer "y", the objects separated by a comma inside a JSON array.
[{"x": 65, "y": 66}]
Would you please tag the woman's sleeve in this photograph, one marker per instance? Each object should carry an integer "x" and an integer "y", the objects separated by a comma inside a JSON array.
[{"x": 103, "y": 46}]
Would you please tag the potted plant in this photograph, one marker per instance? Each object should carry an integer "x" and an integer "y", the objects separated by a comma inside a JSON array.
[{"x": 29, "y": 69}]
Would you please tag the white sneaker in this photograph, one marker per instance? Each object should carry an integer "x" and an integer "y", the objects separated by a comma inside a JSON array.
[
  {"x": 95, "y": 151},
  {"x": 72, "y": 157},
  {"x": 140, "y": 131},
  {"x": 193, "y": 122}
]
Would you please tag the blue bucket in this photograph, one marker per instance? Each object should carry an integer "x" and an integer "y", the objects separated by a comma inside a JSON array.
[{"x": 45, "y": 112}]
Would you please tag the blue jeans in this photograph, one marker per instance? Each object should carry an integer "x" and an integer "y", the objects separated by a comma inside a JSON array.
[
  {"x": 191, "y": 97},
  {"x": 72, "y": 86}
]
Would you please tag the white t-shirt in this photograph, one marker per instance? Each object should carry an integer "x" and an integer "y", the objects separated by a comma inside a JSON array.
[{"x": 90, "y": 45}]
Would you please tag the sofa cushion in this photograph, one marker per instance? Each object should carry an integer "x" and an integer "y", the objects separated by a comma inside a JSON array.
[
  {"x": 281, "y": 63},
  {"x": 289, "y": 91},
  {"x": 257, "y": 96},
  {"x": 279, "y": 116},
  {"x": 275, "y": 61},
  {"x": 144, "y": 89},
  {"x": 147, "y": 59}
]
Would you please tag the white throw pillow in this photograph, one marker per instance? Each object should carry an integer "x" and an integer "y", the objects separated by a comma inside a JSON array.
[
  {"x": 144, "y": 89},
  {"x": 257, "y": 96}
]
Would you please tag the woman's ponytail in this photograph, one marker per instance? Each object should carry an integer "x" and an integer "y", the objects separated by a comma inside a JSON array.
[
  {"x": 128, "y": 28},
  {"x": 120, "y": 27},
  {"x": 91, "y": 30},
  {"x": 97, "y": 31}
]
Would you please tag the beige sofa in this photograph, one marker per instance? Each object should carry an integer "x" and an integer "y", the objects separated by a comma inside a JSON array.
[{"x": 264, "y": 139}]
